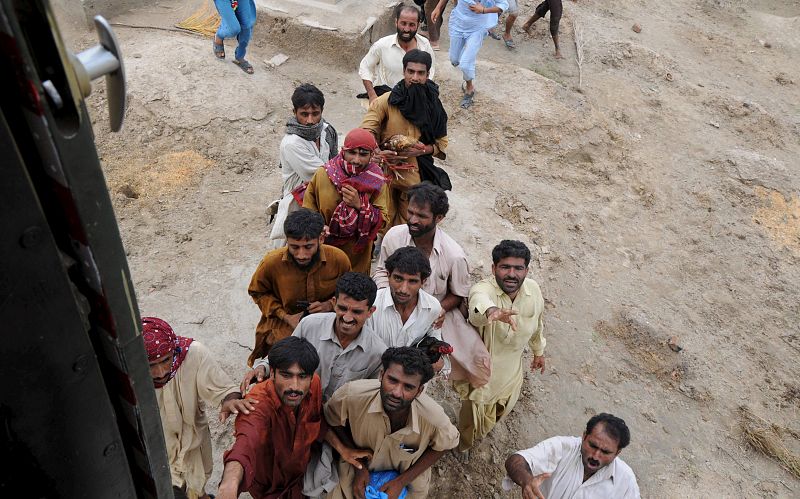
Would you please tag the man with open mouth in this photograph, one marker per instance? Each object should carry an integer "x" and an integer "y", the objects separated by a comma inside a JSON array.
[{"x": 575, "y": 467}]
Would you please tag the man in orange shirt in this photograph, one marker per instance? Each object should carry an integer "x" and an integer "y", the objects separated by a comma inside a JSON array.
[{"x": 274, "y": 440}]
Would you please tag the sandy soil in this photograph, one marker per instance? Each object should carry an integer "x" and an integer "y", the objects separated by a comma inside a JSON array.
[{"x": 660, "y": 197}]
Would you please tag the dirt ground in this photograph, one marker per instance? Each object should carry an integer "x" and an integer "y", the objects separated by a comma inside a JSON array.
[{"x": 660, "y": 198}]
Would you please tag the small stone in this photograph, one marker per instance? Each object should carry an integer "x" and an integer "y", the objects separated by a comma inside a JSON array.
[
  {"x": 674, "y": 344},
  {"x": 637, "y": 28},
  {"x": 276, "y": 60},
  {"x": 545, "y": 250}
]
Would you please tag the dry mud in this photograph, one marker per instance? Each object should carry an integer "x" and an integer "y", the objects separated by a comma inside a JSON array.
[{"x": 660, "y": 199}]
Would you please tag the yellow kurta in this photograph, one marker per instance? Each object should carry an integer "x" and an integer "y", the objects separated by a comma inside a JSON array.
[
  {"x": 483, "y": 407},
  {"x": 384, "y": 121},
  {"x": 322, "y": 196},
  {"x": 199, "y": 380}
]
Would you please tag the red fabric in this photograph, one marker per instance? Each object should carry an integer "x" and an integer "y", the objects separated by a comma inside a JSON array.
[
  {"x": 359, "y": 138},
  {"x": 273, "y": 445},
  {"x": 346, "y": 221},
  {"x": 159, "y": 340}
]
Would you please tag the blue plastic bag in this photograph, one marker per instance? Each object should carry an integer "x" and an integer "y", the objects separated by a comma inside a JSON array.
[{"x": 378, "y": 479}]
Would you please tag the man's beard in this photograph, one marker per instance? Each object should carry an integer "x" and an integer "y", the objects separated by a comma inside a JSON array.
[
  {"x": 406, "y": 37},
  {"x": 505, "y": 285},
  {"x": 420, "y": 230},
  {"x": 314, "y": 259},
  {"x": 400, "y": 403}
]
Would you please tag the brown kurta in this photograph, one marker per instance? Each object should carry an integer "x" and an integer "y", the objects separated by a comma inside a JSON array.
[
  {"x": 273, "y": 442},
  {"x": 278, "y": 284},
  {"x": 322, "y": 196},
  {"x": 384, "y": 121}
]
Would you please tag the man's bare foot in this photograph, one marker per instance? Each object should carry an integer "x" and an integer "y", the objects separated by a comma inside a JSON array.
[
  {"x": 527, "y": 28},
  {"x": 558, "y": 54}
]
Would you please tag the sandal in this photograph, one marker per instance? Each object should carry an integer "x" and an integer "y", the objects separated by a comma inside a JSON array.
[
  {"x": 509, "y": 43},
  {"x": 493, "y": 34},
  {"x": 467, "y": 101},
  {"x": 246, "y": 66},
  {"x": 219, "y": 49}
]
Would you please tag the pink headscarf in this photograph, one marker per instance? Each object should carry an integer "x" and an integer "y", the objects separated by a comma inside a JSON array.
[{"x": 160, "y": 340}]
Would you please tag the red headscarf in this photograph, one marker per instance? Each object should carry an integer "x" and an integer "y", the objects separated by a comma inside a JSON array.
[{"x": 160, "y": 340}]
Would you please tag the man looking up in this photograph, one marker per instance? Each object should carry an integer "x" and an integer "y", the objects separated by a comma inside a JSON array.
[
  {"x": 350, "y": 193},
  {"x": 507, "y": 310},
  {"x": 406, "y": 430},
  {"x": 273, "y": 442},
  {"x": 449, "y": 281},
  {"x": 348, "y": 350},
  {"x": 382, "y": 67},
  {"x": 309, "y": 142},
  {"x": 294, "y": 281},
  {"x": 574, "y": 467},
  {"x": 184, "y": 374},
  {"x": 412, "y": 109},
  {"x": 348, "y": 347},
  {"x": 403, "y": 311}
]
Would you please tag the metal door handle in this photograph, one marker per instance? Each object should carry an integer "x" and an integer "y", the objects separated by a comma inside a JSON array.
[{"x": 104, "y": 59}]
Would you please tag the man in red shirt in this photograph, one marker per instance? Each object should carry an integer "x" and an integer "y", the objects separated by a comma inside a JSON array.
[{"x": 273, "y": 442}]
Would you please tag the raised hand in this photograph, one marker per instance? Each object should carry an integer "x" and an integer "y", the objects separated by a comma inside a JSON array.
[
  {"x": 531, "y": 489},
  {"x": 503, "y": 315},
  {"x": 351, "y": 197}
]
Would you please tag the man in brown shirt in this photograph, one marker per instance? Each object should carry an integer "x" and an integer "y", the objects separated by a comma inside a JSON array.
[
  {"x": 404, "y": 428},
  {"x": 294, "y": 281},
  {"x": 411, "y": 109}
]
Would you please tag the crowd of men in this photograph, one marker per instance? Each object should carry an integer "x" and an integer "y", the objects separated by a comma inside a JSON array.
[{"x": 364, "y": 299}]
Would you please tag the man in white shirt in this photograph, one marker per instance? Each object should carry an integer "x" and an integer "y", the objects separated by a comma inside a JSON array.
[
  {"x": 309, "y": 143},
  {"x": 449, "y": 281},
  {"x": 403, "y": 311},
  {"x": 382, "y": 67},
  {"x": 576, "y": 468}
]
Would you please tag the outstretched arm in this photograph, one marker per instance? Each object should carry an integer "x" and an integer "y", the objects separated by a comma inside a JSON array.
[
  {"x": 231, "y": 478},
  {"x": 520, "y": 472}
]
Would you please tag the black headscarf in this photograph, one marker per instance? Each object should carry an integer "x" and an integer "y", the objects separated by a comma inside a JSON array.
[{"x": 420, "y": 105}]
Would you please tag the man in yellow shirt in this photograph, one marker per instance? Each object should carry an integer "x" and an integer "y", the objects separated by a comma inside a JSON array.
[{"x": 506, "y": 308}]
